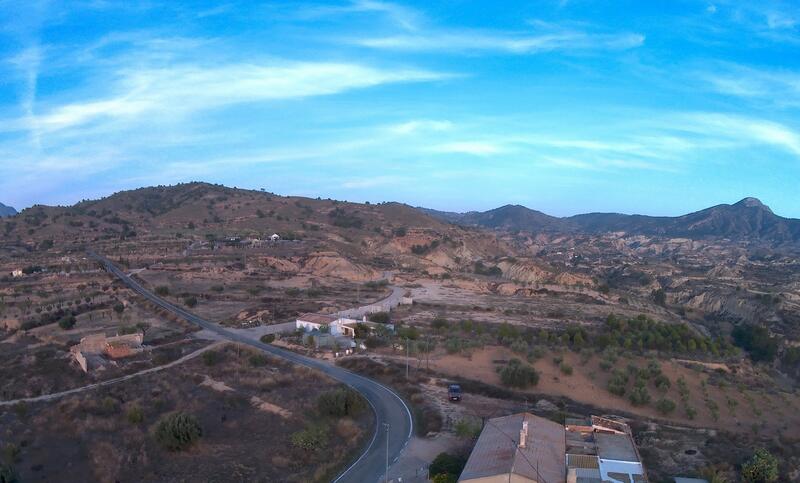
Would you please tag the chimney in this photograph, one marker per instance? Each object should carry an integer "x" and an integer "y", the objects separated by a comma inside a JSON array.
[{"x": 523, "y": 435}]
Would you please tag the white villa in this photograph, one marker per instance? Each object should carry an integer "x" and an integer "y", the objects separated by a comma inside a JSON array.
[{"x": 339, "y": 326}]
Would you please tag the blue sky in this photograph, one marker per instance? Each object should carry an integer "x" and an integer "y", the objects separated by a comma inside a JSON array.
[{"x": 565, "y": 106}]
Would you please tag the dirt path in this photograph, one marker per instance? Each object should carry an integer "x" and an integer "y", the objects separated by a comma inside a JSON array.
[{"x": 57, "y": 395}]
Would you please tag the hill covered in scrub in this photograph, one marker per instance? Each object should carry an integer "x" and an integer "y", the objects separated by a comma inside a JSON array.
[{"x": 749, "y": 219}]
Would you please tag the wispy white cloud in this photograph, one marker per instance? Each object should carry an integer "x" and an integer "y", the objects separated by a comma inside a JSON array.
[
  {"x": 524, "y": 43},
  {"x": 775, "y": 87},
  {"x": 404, "y": 17},
  {"x": 474, "y": 148},
  {"x": 418, "y": 125},
  {"x": 742, "y": 130},
  {"x": 186, "y": 88}
]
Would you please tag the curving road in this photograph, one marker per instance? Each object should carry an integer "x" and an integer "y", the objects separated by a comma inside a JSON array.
[{"x": 388, "y": 407}]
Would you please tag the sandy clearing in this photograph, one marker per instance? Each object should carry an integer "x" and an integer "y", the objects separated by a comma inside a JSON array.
[{"x": 259, "y": 403}]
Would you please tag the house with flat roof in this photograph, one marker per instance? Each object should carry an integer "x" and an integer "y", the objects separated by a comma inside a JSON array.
[
  {"x": 520, "y": 448},
  {"x": 601, "y": 450}
]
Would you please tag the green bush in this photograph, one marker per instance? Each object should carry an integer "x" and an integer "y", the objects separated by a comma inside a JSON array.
[
  {"x": 268, "y": 338},
  {"x": 665, "y": 406},
  {"x": 190, "y": 301},
  {"x": 178, "y": 431},
  {"x": 162, "y": 290},
  {"x": 639, "y": 395},
  {"x": 11, "y": 453},
  {"x": 440, "y": 323},
  {"x": 517, "y": 374},
  {"x": 566, "y": 369},
  {"x": 8, "y": 474},
  {"x": 67, "y": 322},
  {"x": 258, "y": 360},
  {"x": 662, "y": 383},
  {"x": 761, "y": 468},
  {"x": 618, "y": 382},
  {"x": 447, "y": 464},
  {"x": 380, "y": 317},
  {"x": 313, "y": 438},
  {"x": 341, "y": 402},
  {"x": 134, "y": 414},
  {"x": 468, "y": 429}
]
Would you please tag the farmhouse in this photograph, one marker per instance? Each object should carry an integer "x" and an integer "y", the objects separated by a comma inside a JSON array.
[
  {"x": 524, "y": 448},
  {"x": 88, "y": 353},
  {"x": 518, "y": 448},
  {"x": 338, "y": 326}
]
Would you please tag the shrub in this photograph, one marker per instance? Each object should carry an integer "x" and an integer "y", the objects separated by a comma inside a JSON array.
[
  {"x": 162, "y": 290},
  {"x": 119, "y": 307},
  {"x": 134, "y": 414},
  {"x": 11, "y": 453},
  {"x": 440, "y": 323},
  {"x": 757, "y": 341},
  {"x": 268, "y": 338},
  {"x": 662, "y": 383},
  {"x": 618, "y": 382},
  {"x": 257, "y": 360},
  {"x": 178, "y": 431},
  {"x": 665, "y": 406},
  {"x": 605, "y": 365},
  {"x": 190, "y": 301},
  {"x": 21, "y": 409},
  {"x": 519, "y": 346},
  {"x": 340, "y": 402},
  {"x": 447, "y": 464},
  {"x": 761, "y": 468},
  {"x": 565, "y": 368},
  {"x": 467, "y": 429},
  {"x": 8, "y": 474},
  {"x": 517, "y": 374},
  {"x": 444, "y": 478},
  {"x": 210, "y": 358},
  {"x": 380, "y": 317},
  {"x": 313, "y": 438},
  {"x": 639, "y": 395},
  {"x": 67, "y": 322}
]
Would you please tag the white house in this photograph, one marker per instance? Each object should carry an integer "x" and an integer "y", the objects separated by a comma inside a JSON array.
[
  {"x": 339, "y": 326},
  {"x": 275, "y": 237}
]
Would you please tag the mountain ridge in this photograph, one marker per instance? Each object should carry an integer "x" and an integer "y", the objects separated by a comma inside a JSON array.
[
  {"x": 748, "y": 218},
  {"x": 6, "y": 210}
]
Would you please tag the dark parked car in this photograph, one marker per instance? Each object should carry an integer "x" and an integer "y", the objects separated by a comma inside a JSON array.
[{"x": 454, "y": 392}]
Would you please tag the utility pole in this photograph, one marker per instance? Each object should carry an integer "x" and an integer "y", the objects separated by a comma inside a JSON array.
[
  {"x": 406, "y": 357},
  {"x": 386, "y": 475}
]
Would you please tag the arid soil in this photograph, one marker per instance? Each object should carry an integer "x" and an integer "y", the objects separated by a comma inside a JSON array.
[{"x": 247, "y": 413}]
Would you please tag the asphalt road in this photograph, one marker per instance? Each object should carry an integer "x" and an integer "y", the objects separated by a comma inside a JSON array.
[{"x": 388, "y": 407}]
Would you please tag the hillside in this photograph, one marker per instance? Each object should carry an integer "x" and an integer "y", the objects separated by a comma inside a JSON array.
[
  {"x": 6, "y": 211},
  {"x": 393, "y": 232},
  {"x": 749, "y": 219}
]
